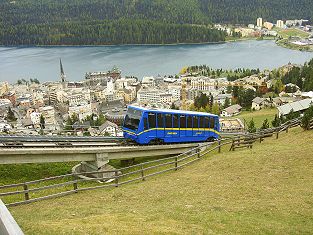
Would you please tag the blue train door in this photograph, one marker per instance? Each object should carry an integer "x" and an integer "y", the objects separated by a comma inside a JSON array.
[
  {"x": 195, "y": 128},
  {"x": 201, "y": 127},
  {"x": 169, "y": 133},
  {"x": 160, "y": 121},
  {"x": 182, "y": 126},
  {"x": 189, "y": 126},
  {"x": 176, "y": 131},
  {"x": 152, "y": 125},
  {"x": 206, "y": 126}
]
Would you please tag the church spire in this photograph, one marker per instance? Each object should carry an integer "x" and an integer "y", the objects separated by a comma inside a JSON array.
[{"x": 62, "y": 72}]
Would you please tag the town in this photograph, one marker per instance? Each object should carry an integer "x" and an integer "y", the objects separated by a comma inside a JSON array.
[
  {"x": 294, "y": 34},
  {"x": 97, "y": 105}
]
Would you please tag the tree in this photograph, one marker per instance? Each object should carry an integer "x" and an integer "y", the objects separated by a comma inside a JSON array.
[
  {"x": 251, "y": 126},
  {"x": 10, "y": 116},
  {"x": 69, "y": 124},
  {"x": 74, "y": 118},
  {"x": 265, "y": 124},
  {"x": 173, "y": 106},
  {"x": 227, "y": 102},
  {"x": 276, "y": 122},
  {"x": 42, "y": 122},
  {"x": 307, "y": 118},
  {"x": 215, "y": 109},
  {"x": 245, "y": 97}
]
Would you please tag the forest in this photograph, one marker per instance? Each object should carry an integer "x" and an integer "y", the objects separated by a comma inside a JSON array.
[{"x": 76, "y": 22}]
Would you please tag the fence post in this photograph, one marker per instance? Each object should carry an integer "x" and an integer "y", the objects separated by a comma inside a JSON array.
[
  {"x": 287, "y": 129},
  {"x": 219, "y": 146},
  {"x": 116, "y": 178},
  {"x": 75, "y": 186},
  {"x": 277, "y": 133},
  {"x": 142, "y": 173},
  {"x": 198, "y": 153},
  {"x": 26, "y": 193},
  {"x": 176, "y": 163},
  {"x": 233, "y": 145}
]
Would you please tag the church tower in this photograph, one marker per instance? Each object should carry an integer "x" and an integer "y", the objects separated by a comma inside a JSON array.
[{"x": 63, "y": 76}]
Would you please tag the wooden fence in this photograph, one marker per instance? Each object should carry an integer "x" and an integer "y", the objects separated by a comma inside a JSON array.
[{"x": 46, "y": 188}]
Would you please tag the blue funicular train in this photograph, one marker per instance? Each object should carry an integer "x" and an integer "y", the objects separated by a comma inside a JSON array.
[{"x": 155, "y": 126}]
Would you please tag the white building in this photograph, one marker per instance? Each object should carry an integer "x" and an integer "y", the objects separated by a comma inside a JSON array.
[
  {"x": 166, "y": 98},
  {"x": 82, "y": 111},
  {"x": 5, "y": 103},
  {"x": 259, "y": 22},
  {"x": 148, "y": 81},
  {"x": 280, "y": 24},
  {"x": 251, "y": 26},
  {"x": 35, "y": 118},
  {"x": 48, "y": 113},
  {"x": 203, "y": 83},
  {"x": 108, "y": 127},
  {"x": 175, "y": 90}
]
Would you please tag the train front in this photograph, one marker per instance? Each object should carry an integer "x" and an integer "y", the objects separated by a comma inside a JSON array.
[{"x": 131, "y": 125}]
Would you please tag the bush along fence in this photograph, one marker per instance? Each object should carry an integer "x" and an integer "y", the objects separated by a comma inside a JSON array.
[{"x": 52, "y": 187}]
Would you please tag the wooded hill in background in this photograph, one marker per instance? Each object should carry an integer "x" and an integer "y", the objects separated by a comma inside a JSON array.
[{"x": 31, "y": 22}]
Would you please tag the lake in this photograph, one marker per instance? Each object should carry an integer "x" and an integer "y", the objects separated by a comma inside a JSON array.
[{"x": 43, "y": 62}]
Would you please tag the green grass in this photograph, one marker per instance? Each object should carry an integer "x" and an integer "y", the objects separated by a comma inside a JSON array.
[
  {"x": 258, "y": 116},
  {"x": 286, "y": 33},
  {"x": 18, "y": 173},
  {"x": 264, "y": 190}
]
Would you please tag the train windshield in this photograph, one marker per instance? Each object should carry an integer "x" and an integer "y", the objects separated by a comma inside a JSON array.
[{"x": 132, "y": 119}]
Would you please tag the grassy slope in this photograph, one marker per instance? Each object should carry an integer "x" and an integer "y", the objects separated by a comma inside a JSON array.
[
  {"x": 258, "y": 116},
  {"x": 267, "y": 189},
  {"x": 286, "y": 33}
]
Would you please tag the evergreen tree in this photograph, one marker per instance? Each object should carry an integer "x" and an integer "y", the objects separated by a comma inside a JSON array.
[
  {"x": 276, "y": 122},
  {"x": 215, "y": 109},
  {"x": 42, "y": 122},
  {"x": 307, "y": 118},
  {"x": 265, "y": 124},
  {"x": 251, "y": 126},
  {"x": 227, "y": 102},
  {"x": 10, "y": 116}
]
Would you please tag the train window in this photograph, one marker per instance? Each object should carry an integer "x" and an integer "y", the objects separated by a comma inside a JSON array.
[
  {"x": 206, "y": 122},
  {"x": 168, "y": 120},
  {"x": 160, "y": 118},
  {"x": 189, "y": 121},
  {"x": 151, "y": 119},
  {"x": 145, "y": 123},
  {"x": 183, "y": 121},
  {"x": 195, "y": 122},
  {"x": 175, "y": 121},
  {"x": 212, "y": 122},
  {"x": 201, "y": 122}
]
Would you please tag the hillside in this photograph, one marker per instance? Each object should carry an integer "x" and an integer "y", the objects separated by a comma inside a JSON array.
[
  {"x": 133, "y": 22},
  {"x": 267, "y": 189}
]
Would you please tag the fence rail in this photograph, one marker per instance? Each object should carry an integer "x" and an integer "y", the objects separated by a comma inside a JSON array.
[{"x": 71, "y": 183}]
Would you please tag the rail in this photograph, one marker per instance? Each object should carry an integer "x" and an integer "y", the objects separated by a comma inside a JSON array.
[
  {"x": 8, "y": 225},
  {"x": 41, "y": 189}
]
